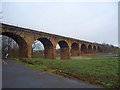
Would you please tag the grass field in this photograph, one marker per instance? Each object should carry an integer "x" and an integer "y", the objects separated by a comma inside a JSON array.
[{"x": 102, "y": 71}]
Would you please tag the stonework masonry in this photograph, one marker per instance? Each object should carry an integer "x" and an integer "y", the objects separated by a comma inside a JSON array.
[{"x": 68, "y": 46}]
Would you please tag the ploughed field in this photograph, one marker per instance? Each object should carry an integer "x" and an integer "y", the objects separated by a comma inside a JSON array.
[{"x": 95, "y": 70}]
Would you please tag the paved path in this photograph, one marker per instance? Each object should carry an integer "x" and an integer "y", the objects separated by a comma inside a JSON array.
[{"x": 16, "y": 75}]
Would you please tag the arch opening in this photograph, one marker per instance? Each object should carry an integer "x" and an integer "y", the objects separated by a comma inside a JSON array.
[
  {"x": 83, "y": 49},
  {"x": 37, "y": 49},
  {"x": 64, "y": 50},
  {"x": 74, "y": 49},
  {"x": 9, "y": 47},
  {"x": 23, "y": 50},
  {"x": 99, "y": 49},
  {"x": 43, "y": 47},
  {"x": 89, "y": 49},
  {"x": 94, "y": 49}
]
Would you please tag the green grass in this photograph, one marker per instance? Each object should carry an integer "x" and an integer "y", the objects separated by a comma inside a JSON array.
[{"x": 102, "y": 71}]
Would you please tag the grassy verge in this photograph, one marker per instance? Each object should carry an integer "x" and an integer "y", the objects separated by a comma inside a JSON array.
[{"x": 102, "y": 71}]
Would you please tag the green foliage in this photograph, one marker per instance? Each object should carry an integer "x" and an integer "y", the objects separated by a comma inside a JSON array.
[
  {"x": 107, "y": 48},
  {"x": 103, "y": 71},
  {"x": 119, "y": 52},
  {"x": 39, "y": 67}
]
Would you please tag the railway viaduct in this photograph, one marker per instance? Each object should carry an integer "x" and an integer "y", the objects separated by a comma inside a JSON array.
[{"x": 68, "y": 46}]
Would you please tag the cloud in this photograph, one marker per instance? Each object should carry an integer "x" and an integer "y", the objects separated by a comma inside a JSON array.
[{"x": 96, "y": 22}]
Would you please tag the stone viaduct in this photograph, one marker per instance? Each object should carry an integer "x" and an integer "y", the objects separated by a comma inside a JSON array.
[{"x": 68, "y": 46}]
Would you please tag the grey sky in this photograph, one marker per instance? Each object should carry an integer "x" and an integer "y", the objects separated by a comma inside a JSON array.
[{"x": 90, "y": 21}]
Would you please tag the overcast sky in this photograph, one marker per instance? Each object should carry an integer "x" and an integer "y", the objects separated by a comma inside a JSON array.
[{"x": 90, "y": 21}]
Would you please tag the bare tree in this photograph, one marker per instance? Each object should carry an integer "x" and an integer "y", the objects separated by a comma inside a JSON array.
[{"x": 9, "y": 46}]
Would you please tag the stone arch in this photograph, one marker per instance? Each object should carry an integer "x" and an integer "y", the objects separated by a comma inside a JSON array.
[
  {"x": 23, "y": 49},
  {"x": 94, "y": 49},
  {"x": 48, "y": 47},
  {"x": 83, "y": 49},
  {"x": 99, "y": 49},
  {"x": 89, "y": 48},
  {"x": 64, "y": 49},
  {"x": 74, "y": 49}
]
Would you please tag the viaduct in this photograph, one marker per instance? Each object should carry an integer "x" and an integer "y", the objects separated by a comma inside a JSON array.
[{"x": 68, "y": 46}]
